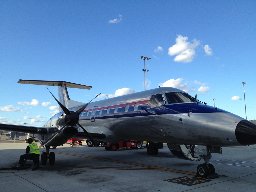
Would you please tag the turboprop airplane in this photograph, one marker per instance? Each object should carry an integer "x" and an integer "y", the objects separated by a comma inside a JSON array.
[{"x": 192, "y": 130}]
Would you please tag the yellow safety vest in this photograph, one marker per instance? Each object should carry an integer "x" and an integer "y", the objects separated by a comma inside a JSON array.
[{"x": 33, "y": 148}]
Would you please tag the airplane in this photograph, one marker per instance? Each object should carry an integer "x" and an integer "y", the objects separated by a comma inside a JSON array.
[{"x": 192, "y": 130}]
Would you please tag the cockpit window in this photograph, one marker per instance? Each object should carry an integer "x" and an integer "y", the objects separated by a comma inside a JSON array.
[
  {"x": 157, "y": 99},
  {"x": 179, "y": 97}
]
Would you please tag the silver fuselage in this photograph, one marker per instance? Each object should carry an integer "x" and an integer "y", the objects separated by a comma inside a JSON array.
[{"x": 179, "y": 123}]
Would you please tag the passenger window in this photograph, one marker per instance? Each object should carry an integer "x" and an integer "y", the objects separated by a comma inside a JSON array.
[
  {"x": 97, "y": 113},
  {"x": 130, "y": 108},
  {"x": 104, "y": 112},
  {"x": 142, "y": 107},
  {"x": 111, "y": 111},
  {"x": 89, "y": 113},
  {"x": 121, "y": 110}
]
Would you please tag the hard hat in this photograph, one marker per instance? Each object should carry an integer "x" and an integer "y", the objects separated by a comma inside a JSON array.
[{"x": 30, "y": 140}]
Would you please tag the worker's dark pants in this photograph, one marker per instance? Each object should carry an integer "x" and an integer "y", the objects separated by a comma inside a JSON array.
[{"x": 29, "y": 156}]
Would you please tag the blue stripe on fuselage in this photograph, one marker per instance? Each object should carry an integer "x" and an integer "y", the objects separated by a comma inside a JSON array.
[
  {"x": 192, "y": 107},
  {"x": 165, "y": 109}
]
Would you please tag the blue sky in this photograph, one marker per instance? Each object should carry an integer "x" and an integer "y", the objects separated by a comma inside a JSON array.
[{"x": 204, "y": 47}]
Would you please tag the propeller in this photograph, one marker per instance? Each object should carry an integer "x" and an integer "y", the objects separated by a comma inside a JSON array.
[{"x": 71, "y": 118}]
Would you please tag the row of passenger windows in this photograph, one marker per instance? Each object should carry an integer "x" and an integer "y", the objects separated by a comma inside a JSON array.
[
  {"x": 157, "y": 100},
  {"x": 104, "y": 112}
]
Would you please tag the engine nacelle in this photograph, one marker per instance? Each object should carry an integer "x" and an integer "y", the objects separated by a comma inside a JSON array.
[{"x": 62, "y": 136}]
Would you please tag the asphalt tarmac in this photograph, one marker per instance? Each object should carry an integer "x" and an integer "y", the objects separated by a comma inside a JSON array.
[{"x": 81, "y": 168}]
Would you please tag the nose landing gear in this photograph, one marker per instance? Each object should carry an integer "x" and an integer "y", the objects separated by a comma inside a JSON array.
[{"x": 206, "y": 169}]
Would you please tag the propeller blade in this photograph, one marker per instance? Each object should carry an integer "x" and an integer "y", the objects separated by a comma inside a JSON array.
[
  {"x": 65, "y": 110},
  {"x": 86, "y": 132},
  {"x": 94, "y": 98},
  {"x": 83, "y": 107}
]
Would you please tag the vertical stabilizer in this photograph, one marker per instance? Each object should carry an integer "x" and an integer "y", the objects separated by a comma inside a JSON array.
[
  {"x": 63, "y": 95},
  {"x": 62, "y": 89}
]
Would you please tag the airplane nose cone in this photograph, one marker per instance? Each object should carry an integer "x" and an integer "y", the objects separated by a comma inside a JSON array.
[{"x": 246, "y": 133}]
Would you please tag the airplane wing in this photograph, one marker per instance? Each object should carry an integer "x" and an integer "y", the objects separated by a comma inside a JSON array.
[{"x": 27, "y": 129}]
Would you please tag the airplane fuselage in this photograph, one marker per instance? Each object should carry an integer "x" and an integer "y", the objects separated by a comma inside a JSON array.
[{"x": 160, "y": 115}]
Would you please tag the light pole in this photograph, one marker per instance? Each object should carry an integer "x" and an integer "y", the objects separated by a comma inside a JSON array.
[
  {"x": 244, "y": 100},
  {"x": 213, "y": 102},
  {"x": 145, "y": 70}
]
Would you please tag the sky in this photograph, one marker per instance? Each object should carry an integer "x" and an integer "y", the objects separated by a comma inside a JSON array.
[{"x": 202, "y": 47}]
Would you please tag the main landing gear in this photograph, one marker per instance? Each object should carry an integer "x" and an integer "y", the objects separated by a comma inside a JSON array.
[
  {"x": 47, "y": 155},
  {"x": 152, "y": 148}
]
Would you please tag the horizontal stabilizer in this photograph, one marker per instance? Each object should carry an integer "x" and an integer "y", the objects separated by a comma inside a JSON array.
[{"x": 55, "y": 83}]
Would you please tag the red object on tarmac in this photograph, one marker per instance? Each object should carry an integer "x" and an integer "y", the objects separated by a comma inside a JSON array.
[
  {"x": 130, "y": 144},
  {"x": 74, "y": 141}
]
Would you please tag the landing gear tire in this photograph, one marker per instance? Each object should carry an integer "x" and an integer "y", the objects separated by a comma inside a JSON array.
[
  {"x": 139, "y": 145},
  {"x": 44, "y": 158},
  {"x": 152, "y": 149},
  {"x": 89, "y": 143},
  {"x": 211, "y": 169},
  {"x": 204, "y": 170},
  {"x": 114, "y": 147},
  {"x": 52, "y": 158}
]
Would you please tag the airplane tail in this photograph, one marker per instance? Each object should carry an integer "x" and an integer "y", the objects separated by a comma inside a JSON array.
[{"x": 62, "y": 89}]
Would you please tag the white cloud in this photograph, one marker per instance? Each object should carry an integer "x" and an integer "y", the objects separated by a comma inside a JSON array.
[
  {"x": 118, "y": 92},
  {"x": 123, "y": 91},
  {"x": 208, "y": 50},
  {"x": 116, "y": 20},
  {"x": 33, "y": 102},
  {"x": 34, "y": 120},
  {"x": 185, "y": 56},
  {"x": 183, "y": 50},
  {"x": 235, "y": 98},
  {"x": 180, "y": 46},
  {"x": 180, "y": 83},
  {"x": 45, "y": 104},
  {"x": 158, "y": 49},
  {"x": 203, "y": 89},
  {"x": 104, "y": 96},
  {"x": 176, "y": 83},
  {"x": 9, "y": 108},
  {"x": 54, "y": 109}
]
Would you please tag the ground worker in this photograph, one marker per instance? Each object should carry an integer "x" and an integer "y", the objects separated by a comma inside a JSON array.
[{"x": 32, "y": 153}]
